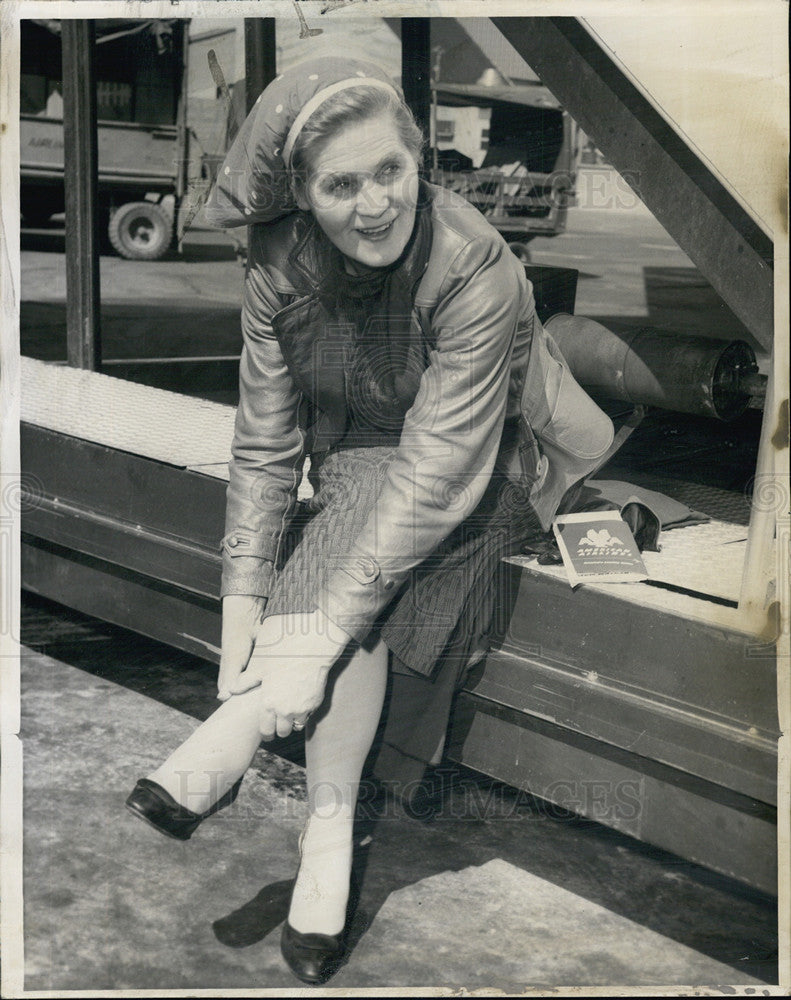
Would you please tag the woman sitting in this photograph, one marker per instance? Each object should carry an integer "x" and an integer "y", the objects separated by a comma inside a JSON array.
[{"x": 391, "y": 336}]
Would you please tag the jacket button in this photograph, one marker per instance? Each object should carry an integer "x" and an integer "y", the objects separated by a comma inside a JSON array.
[
  {"x": 233, "y": 541},
  {"x": 367, "y": 568},
  {"x": 389, "y": 584}
]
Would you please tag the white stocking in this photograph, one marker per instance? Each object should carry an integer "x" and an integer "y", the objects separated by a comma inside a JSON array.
[
  {"x": 338, "y": 740},
  {"x": 337, "y": 746}
]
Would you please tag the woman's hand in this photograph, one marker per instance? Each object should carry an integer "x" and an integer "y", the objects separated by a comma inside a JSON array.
[
  {"x": 241, "y": 618},
  {"x": 292, "y": 658}
]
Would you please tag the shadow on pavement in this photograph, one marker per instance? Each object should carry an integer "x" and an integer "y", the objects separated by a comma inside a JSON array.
[{"x": 476, "y": 820}]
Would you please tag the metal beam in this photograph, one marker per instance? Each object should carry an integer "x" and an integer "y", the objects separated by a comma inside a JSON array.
[
  {"x": 260, "y": 56},
  {"x": 96, "y": 587},
  {"x": 701, "y": 215},
  {"x": 416, "y": 68},
  {"x": 81, "y": 192},
  {"x": 636, "y": 795},
  {"x": 181, "y": 35}
]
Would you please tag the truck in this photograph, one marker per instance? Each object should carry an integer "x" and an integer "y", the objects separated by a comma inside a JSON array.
[
  {"x": 511, "y": 150},
  {"x": 143, "y": 141}
]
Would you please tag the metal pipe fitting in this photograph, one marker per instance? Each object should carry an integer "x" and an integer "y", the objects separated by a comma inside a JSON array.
[{"x": 716, "y": 378}]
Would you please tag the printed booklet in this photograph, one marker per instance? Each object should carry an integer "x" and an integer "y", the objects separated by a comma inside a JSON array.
[{"x": 598, "y": 548}]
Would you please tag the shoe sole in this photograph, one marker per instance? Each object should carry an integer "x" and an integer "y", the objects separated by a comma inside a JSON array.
[{"x": 155, "y": 826}]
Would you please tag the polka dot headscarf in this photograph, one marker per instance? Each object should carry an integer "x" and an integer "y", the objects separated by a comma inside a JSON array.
[{"x": 253, "y": 181}]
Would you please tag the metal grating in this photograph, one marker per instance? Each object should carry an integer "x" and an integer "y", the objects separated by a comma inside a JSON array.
[
  {"x": 155, "y": 423},
  {"x": 705, "y": 558},
  {"x": 702, "y": 564},
  {"x": 192, "y": 433},
  {"x": 724, "y": 505}
]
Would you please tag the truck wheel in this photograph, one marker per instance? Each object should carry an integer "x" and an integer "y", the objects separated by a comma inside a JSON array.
[
  {"x": 140, "y": 230},
  {"x": 521, "y": 251}
]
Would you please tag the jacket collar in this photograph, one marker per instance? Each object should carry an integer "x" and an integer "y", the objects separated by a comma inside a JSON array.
[{"x": 314, "y": 332}]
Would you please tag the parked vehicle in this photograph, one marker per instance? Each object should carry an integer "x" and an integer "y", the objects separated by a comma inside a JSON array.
[
  {"x": 139, "y": 169},
  {"x": 510, "y": 150},
  {"x": 143, "y": 142}
]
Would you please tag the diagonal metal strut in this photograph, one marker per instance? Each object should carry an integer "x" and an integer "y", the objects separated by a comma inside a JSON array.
[{"x": 698, "y": 211}]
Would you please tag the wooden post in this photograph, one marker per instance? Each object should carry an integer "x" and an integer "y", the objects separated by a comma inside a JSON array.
[
  {"x": 183, "y": 179},
  {"x": 766, "y": 502},
  {"x": 260, "y": 56},
  {"x": 81, "y": 190},
  {"x": 416, "y": 68}
]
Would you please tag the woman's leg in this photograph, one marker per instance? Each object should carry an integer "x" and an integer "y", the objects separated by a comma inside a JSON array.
[
  {"x": 338, "y": 742},
  {"x": 215, "y": 756}
]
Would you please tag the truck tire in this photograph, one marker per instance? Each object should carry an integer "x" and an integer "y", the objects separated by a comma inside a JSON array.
[{"x": 140, "y": 230}]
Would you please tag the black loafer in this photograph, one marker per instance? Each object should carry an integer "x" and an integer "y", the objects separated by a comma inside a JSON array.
[
  {"x": 315, "y": 958},
  {"x": 151, "y": 803}
]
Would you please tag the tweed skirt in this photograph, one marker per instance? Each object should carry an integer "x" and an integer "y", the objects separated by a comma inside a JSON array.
[{"x": 448, "y": 602}]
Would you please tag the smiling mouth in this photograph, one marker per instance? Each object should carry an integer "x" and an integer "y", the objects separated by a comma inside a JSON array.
[{"x": 374, "y": 232}]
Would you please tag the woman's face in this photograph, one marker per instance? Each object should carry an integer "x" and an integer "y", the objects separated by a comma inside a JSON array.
[{"x": 362, "y": 190}]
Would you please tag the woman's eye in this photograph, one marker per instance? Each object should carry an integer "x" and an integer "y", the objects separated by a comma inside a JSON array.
[
  {"x": 390, "y": 170},
  {"x": 342, "y": 185}
]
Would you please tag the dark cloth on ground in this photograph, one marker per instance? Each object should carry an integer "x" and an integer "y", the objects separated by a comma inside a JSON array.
[{"x": 671, "y": 513}]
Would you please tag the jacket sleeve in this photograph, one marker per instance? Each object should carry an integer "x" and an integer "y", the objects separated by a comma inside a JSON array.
[
  {"x": 449, "y": 440},
  {"x": 267, "y": 450}
]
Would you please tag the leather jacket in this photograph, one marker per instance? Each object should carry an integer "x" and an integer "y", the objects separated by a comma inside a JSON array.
[{"x": 472, "y": 306}]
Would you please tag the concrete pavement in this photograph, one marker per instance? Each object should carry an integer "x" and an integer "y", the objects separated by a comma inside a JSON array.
[{"x": 499, "y": 891}]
